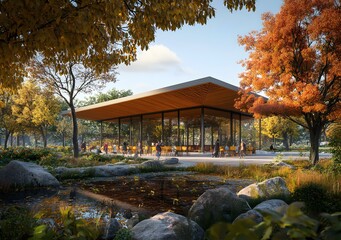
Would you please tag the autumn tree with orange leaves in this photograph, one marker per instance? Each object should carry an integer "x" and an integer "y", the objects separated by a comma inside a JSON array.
[{"x": 295, "y": 60}]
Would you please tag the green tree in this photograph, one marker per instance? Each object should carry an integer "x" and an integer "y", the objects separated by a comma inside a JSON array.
[
  {"x": 63, "y": 128},
  {"x": 102, "y": 97},
  {"x": 107, "y": 32},
  {"x": 334, "y": 135},
  {"x": 92, "y": 129},
  {"x": 77, "y": 78}
]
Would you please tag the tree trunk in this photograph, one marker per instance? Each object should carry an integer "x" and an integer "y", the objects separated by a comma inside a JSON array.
[
  {"x": 63, "y": 136},
  {"x": 75, "y": 131},
  {"x": 315, "y": 135},
  {"x": 7, "y": 134},
  {"x": 18, "y": 142},
  {"x": 44, "y": 136},
  {"x": 285, "y": 141},
  {"x": 35, "y": 140}
]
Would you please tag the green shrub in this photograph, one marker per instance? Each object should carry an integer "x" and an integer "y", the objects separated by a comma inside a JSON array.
[
  {"x": 123, "y": 234},
  {"x": 69, "y": 227},
  {"x": 16, "y": 223},
  {"x": 317, "y": 199},
  {"x": 66, "y": 149},
  {"x": 93, "y": 157},
  {"x": 335, "y": 143},
  {"x": 24, "y": 154},
  {"x": 293, "y": 224},
  {"x": 50, "y": 159},
  {"x": 74, "y": 174}
]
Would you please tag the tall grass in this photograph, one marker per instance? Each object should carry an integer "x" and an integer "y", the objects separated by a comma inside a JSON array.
[{"x": 303, "y": 173}]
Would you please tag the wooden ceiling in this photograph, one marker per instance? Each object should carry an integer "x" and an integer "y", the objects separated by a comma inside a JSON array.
[{"x": 207, "y": 91}]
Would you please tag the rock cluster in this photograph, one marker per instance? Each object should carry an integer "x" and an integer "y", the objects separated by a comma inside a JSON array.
[
  {"x": 19, "y": 175},
  {"x": 211, "y": 207}
]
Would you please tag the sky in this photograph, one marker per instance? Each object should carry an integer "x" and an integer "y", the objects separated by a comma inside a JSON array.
[{"x": 194, "y": 52}]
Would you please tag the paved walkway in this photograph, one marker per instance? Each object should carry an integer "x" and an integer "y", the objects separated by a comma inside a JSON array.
[{"x": 261, "y": 157}]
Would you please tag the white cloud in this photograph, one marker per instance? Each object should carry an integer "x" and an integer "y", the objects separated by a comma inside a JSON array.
[{"x": 157, "y": 58}]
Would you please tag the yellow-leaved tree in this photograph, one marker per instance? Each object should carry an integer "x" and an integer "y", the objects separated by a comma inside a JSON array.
[
  {"x": 8, "y": 124},
  {"x": 279, "y": 127},
  {"x": 107, "y": 32},
  {"x": 35, "y": 109}
]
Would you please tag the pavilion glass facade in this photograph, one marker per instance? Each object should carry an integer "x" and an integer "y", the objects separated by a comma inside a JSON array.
[{"x": 187, "y": 130}]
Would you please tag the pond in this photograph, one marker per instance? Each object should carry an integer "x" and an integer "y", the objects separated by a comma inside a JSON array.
[
  {"x": 161, "y": 192},
  {"x": 145, "y": 194}
]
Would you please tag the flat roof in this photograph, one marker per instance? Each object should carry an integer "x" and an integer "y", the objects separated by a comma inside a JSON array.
[{"x": 208, "y": 92}]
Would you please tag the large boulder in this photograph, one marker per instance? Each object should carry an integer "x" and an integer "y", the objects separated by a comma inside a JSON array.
[
  {"x": 251, "y": 214},
  {"x": 276, "y": 205},
  {"x": 267, "y": 189},
  {"x": 152, "y": 164},
  {"x": 23, "y": 175},
  {"x": 116, "y": 170},
  {"x": 96, "y": 171},
  {"x": 167, "y": 225},
  {"x": 111, "y": 228},
  {"x": 216, "y": 205},
  {"x": 284, "y": 164},
  {"x": 171, "y": 161}
]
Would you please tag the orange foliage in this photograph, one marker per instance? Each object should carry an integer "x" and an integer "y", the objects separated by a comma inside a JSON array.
[{"x": 295, "y": 60}]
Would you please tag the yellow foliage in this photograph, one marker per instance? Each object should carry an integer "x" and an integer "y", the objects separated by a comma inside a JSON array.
[{"x": 105, "y": 32}]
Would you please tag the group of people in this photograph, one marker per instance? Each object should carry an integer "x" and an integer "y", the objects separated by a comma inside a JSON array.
[
  {"x": 125, "y": 148},
  {"x": 241, "y": 149}
]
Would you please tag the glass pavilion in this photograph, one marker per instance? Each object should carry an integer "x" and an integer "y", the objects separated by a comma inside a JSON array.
[{"x": 188, "y": 117}]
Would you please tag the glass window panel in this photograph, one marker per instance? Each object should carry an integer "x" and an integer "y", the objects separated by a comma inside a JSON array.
[
  {"x": 249, "y": 132},
  {"x": 151, "y": 130},
  {"x": 135, "y": 130},
  {"x": 190, "y": 133},
  {"x": 217, "y": 127},
  {"x": 125, "y": 131},
  {"x": 170, "y": 128}
]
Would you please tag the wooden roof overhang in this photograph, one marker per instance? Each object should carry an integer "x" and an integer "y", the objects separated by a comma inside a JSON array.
[{"x": 208, "y": 92}]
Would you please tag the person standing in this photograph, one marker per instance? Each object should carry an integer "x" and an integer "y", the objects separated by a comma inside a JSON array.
[
  {"x": 83, "y": 146},
  {"x": 125, "y": 148},
  {"x": 114, "y": 149},
  {"x": 139, "y": 149},
  {"x": 216, "y": 148},
  {"x": 227, "y": 149},
  {"x": 158, "y": 150},
  {"x": 105, "y": 148},
  {"x": 242, "y": 149}
]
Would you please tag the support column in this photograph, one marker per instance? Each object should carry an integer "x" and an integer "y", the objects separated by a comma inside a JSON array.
[
  {"x": 260, "y": 134},
  {"x": 178, "y": 132},
  {"x": 162, "y": 126},
  {"x": 130, "y": 127},
  {"x": 240, "y": 128},
  {"x": 187, "y": 136},
  {"x": 119, "y": 133},
  {"x": 202, "y": 128},
  {"x": 141, "y": 128},
  {"x": 101, "y": 134},
  {"x": 231, "y": 130}
]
